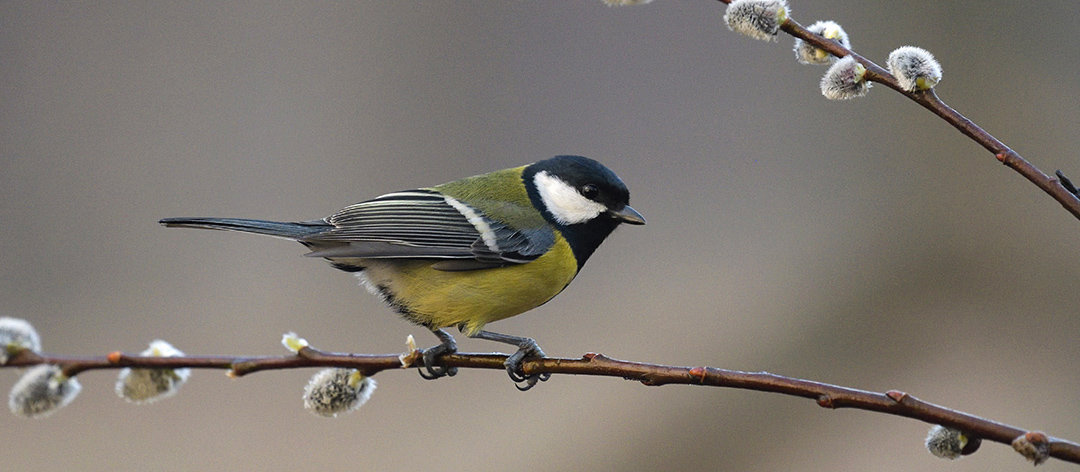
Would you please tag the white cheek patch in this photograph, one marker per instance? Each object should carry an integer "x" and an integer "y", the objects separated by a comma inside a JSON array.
[{"x": 564, "y": 201}]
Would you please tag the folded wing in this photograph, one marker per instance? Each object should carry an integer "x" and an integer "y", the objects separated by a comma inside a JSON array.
[{"x": 427, "y": 224}]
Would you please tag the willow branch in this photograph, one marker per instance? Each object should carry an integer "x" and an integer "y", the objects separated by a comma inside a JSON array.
[
  {"x": 928, "y": 99},
  {"x": 826, "y": 395}
]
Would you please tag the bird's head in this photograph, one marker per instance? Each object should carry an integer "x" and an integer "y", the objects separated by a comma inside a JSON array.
[
  {"x": 574, "y": 190},
  {"x": 583, "y": 199}
]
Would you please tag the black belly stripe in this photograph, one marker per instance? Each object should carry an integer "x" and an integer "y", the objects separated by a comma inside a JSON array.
[{"x": 397, "y": 305}]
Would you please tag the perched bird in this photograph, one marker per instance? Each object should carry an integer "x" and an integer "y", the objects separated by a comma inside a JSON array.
[{"x": 467, "y": 252}]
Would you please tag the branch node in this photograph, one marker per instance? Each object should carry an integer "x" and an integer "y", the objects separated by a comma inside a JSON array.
[
  {"x": 698, "y": 373},
  {"x": 23, "y": 357},
  {"x": 240, "y": 368},
  {"x": 411, "y": 359},
  {"x": 412, "y": 353},
  {"x": 896, "y": 395},
  {"x": 114, "y": 357},
  {"x": 308, "y": 352},
  {"x": 1065, "y": 182},
  {"x": 826, "y": 401},
  {"x": 648, "y": 381},
  {"x": 1034, "y": 446}
]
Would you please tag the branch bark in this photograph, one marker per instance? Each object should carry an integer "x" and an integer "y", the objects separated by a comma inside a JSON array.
[{"x": 893, "y": 402}]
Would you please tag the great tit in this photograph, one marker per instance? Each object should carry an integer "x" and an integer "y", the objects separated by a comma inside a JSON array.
[{"x": 467, "y": 252}]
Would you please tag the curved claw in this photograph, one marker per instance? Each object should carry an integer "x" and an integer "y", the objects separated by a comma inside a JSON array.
[
  {"x": 436, "y": 372},
  {"x": 431, "y": 370},
  {"x": 531, "y": 381},
  {"x": 431, "y": 355},
  {"x": 527, "y": 347},
  {"x": 523, "y": 381}
]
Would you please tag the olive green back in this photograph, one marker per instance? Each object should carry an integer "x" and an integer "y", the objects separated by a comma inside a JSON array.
[{"x": 500, "y": 195}]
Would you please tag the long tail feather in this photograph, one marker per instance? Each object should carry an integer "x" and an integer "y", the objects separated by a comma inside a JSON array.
[{"x": 270, "y": 228}]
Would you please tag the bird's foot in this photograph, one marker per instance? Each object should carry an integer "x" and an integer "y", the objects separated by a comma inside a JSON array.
[
  {"x": 523, "y": 381},
  {"x": 431, "y": 369},
  {"x": 527, "y": 347}
]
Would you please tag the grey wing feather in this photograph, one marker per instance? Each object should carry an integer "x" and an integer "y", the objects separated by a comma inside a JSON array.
[
  {"x": 520, "y": 245},
  {"x": 422, "y": 224}
]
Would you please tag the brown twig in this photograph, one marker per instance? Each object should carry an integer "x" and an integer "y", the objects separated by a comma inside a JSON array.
[
  {"x": 929, "y": 100},
  {"x": 826, "y": 395}
]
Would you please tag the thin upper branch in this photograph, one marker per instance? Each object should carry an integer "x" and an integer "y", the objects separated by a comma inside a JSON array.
[
  {"x": 929, "y": 100},
  {"x": 826, "y": 395}
]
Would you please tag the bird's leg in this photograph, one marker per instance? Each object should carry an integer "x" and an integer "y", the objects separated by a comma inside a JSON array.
[
  {"x": 431, "y": 354},
  {"x": 527, "y": 347}
]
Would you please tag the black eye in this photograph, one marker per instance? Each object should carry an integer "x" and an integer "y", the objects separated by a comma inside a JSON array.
[{"x": 590, "y": 191}]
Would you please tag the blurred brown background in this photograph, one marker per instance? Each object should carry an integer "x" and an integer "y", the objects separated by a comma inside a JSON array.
[{"x": 862, "y": 243}]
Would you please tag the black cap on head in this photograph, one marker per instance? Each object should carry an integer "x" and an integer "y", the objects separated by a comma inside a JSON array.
[
  {"x": 579, "y": 171},
  {"x": 581, "y": 197}
]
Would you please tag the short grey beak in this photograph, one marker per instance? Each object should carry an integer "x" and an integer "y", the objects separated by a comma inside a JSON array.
[{"x": 627, "y": 215}]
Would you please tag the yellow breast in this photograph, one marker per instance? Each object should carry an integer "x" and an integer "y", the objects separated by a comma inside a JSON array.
[{"x": 471, "y": 299}]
